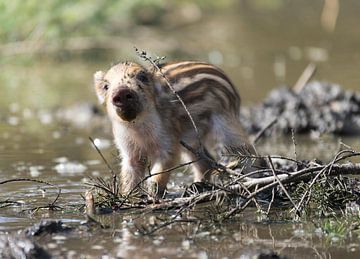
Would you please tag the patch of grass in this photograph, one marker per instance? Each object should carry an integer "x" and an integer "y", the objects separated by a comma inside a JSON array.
[
  {"x": 340, "y": 229},
  {"x": 326, "y": 196},
  {"x": 335, "y": 228}
]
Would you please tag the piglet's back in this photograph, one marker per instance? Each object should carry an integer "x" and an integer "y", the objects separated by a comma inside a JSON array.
[{"x": 203, "y": 87}]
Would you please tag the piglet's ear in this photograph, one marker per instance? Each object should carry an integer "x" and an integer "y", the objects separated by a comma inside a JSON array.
[
  {"x": 98, "y": 76},
  {"x": 100, "y": 88}
]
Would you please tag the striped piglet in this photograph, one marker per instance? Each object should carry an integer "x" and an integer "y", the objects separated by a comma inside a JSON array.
[{"x": 149, "y": 121}]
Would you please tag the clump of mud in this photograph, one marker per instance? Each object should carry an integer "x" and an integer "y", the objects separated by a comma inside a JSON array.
[
  {"x": 318, "y": 107},
  {"x": 22, "y": 244},
  {"x": 16, "y": 246}
]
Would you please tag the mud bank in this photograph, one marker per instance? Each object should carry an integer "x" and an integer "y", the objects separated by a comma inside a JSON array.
[
  {"x": 23, "y": 245},
  {"x": 319, "y": 107}
]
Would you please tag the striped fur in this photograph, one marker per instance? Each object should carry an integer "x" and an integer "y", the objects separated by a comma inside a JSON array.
[
  {"x": 193, "y": 80},
  {"x": 153, "y": 136}
]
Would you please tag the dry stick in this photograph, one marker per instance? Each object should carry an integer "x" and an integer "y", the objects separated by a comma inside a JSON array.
[
  {"x": 238, "y": 179},
  {"x": 344, "y": 169},
  {"x": 306, "y": 75},
  {"x": 187, "y": 201},
  {"x": 101, "y": 186},
  {"x": 339, "y": 155},
  {"x": 255, "y": 200},
  {"x": 271, "y": 201},
  {"x": 202, "y": 155},
  {"x": 264, "y": 157},
  {"x": 89, "y": 203},
  {"x": 282, "y": 186},
  {"x": 294, "y": 142},
  {"x": 330, "y": 14},
  {"x": 36, "y": 181},
  {"x": 262, "y": 132}
]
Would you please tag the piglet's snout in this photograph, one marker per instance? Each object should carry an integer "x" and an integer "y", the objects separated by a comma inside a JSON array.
[{"x": 124, "y": 97}]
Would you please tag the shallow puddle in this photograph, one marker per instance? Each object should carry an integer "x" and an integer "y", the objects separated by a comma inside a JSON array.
[{"x": 62, "y": 154}]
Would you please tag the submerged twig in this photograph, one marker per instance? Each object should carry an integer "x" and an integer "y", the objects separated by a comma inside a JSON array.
[
  {"x": 50, "y": 206},
  {"x": 163, "y": 225}
]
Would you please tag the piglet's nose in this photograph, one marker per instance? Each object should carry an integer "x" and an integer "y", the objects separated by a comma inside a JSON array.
[{"x": 124, "y": 97}]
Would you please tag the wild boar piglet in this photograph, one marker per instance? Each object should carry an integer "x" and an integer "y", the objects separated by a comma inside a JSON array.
[{"x": 148, "y": 120}]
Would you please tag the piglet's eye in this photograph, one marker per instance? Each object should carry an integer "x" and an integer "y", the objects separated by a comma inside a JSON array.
[
  {"x": 105, "y": 87},
  {"x": 142, "y": 77}
]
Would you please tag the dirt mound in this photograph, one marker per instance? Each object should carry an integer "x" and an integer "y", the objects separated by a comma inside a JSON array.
[{"x": 320, "y": 107}]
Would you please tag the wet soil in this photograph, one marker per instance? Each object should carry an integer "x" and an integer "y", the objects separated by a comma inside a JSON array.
[{"x": 318, "y": 108}]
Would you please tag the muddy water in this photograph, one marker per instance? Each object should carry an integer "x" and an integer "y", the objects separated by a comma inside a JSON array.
[{"x": 258, "y": 48}]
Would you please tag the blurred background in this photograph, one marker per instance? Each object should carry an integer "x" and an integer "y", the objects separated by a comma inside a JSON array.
[{"x": 50, "y": 49}]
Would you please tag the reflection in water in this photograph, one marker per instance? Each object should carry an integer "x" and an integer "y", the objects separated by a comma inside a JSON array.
[{"x": 248, "y": 238}]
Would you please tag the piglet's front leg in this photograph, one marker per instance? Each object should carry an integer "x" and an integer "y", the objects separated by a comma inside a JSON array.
[
  {"x": 132, "y": 172},
  {"x": 161, "y": 171},
  {"x": 158, "y": 181}
]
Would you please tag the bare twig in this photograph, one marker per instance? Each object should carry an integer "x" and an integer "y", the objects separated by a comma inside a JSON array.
[
  {"x": 306, "y": 75},
  {"x": 330, "y": 14},
  {"x": 294, "y": 142},
  {"x": 271, "y": 201},
  {"x": 262, "y": 132},
  {"x": 204, "y": 156},
  {"x": 51, "y": 205},
  {"x": 282, "y": 186}
]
